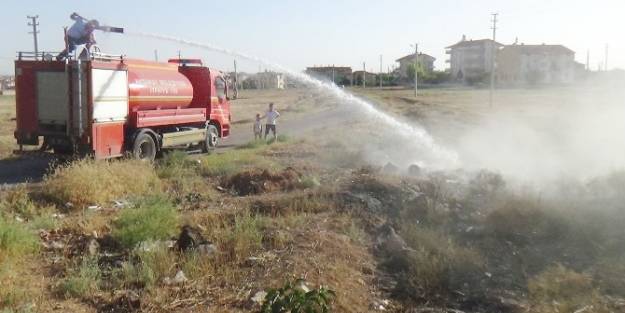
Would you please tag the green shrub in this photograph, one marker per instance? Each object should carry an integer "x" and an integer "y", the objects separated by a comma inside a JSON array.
[
  {"x": 45, "y": 221},
  {"x": 355, "y": 233},
  {"x": 309, "y": 182},
  {"x": 283, "y": 138},
  {"x": 559, "y": 289},
  {"x": 81, "y": 281},
  {"x": 244, "y": 237},
  {"x": 291, "y": 298},
  {"x": 438, "y": 265},
  {"x": 195, "y": 265},
  {"x": 147, "y": 265},
  {"x": 159, "y": 260},
  {"x": 232, "y": 162},
  {"x": 134, "y": 275},
  {"x": 296, "y": 203},
  {"x": 153, "y": 218},
  {"x": 17, "y": 201},
  {"x": 181, "y": 176},
  {"x": 88, "y": 182},
  {"x": 279, "y": 138},
  {"x": 16, "y": 239},
  {"x": 175, "y": 163},
  {"x": 522, "y": 219},
  {"x": 253, "y": 144},
  {"x": 12, "y": 298}
]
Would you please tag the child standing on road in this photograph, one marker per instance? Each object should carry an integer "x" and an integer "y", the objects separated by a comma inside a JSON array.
[
  {"x": 271, "y": 115},
  {"x": 258, "y": 128}
]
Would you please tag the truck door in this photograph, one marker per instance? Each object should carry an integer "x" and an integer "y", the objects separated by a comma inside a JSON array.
[{"x": 109, "y": 96}]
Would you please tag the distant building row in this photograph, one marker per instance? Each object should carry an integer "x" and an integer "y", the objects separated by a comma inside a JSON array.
[
  {"x": 260, "y": 80},
  {"x": 343, "y": 75},
  {"x": 471, "y": 61},
  {"x": 515, "y": 64}
]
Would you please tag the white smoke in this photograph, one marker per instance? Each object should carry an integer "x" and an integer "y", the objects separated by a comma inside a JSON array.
[{"x": 547, "y": 135}]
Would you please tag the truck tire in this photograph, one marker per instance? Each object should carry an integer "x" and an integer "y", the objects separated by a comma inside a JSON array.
[
  {"x": 212, "y": 139},
  {"x": 144, "y": 148}
]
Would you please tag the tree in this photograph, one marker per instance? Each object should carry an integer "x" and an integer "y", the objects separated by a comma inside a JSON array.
[{"x": 424, "y": 75}]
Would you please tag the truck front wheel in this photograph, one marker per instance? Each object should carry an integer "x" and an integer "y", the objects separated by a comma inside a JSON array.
[
  {"x": 144, "y": 148},
  {"x": 212, "y": 139}
]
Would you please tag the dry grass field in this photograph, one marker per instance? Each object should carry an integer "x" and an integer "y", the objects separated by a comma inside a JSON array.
[
  {"x": 7, "y": 125},
  {"x": 210, "y": 233}
]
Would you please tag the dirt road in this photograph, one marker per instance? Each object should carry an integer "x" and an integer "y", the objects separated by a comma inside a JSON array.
[{"x": 17, "y": 170}]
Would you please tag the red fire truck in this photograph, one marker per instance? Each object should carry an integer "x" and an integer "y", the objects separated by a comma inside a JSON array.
[{"x": 108, "y": 106}]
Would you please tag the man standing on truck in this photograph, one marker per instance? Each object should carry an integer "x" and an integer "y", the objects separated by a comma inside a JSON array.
[
  {"x": 81, "y": 33},
  {"x": 271, "y": 116}
]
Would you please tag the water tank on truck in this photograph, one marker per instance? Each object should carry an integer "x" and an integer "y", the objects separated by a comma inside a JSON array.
[{"x": 153, "y": 86}]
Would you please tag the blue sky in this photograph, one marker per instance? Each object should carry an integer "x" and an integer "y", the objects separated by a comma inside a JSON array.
[{"x": 303, "y": 33}]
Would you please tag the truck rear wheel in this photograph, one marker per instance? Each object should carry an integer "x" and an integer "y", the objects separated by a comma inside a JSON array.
[
  {"x": 144, "y": 148},
  {"x": 212, "y": 139}
]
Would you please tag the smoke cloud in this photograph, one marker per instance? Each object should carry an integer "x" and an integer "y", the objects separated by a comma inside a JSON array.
[{"x": 548, "y": 135}]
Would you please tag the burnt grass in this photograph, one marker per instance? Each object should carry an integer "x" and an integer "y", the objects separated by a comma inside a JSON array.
[
  {"x": 517, "y": 238},
  {"x": 255, "y": 181}
]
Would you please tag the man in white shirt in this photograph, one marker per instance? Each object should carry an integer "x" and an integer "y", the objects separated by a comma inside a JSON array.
[
  {"x": 81, "y": 33},
  {"x": 271, "y": 116}
]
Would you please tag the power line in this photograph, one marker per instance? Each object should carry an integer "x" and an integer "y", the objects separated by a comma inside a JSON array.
[
  {"x": 493, "y": 55},
  {"x": 34, "y": 24}
]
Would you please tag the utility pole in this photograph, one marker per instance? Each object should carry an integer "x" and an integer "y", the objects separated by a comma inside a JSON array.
[
  {"x": 493, "y": 56},
  {"x": 364, "y": 75},
  {"x": 380, "y": 75},
  {"x": 260, "y": 82},
  {"x": 34, "y": 24},
  {"x": 416, "y": 67},
  {"x": 605, "y": 66},
  {"x": 179, "y": 55},
  {"x": 236, "y": 80}
]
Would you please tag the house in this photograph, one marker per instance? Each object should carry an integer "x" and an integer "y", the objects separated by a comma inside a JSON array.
[
  {"x": 472, "y": 59},
  {"x": 261, "y": 80},
  {"x": 341, "y": 75},
  {"x": 271, "y": 80},
  {"x": 7, "y": 85},
  {"x": 371, "y": 79},
  {"x": 425, "y": 61},
  {"x": 520, "y": 64}
]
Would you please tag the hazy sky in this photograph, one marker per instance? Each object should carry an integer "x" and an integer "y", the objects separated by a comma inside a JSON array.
[{"x": 303, "y": 33}]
